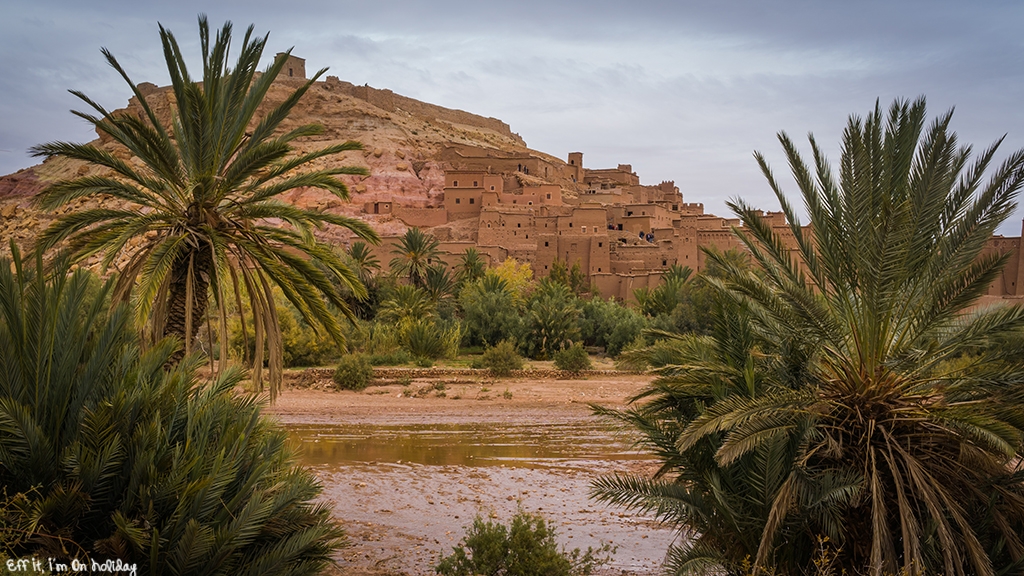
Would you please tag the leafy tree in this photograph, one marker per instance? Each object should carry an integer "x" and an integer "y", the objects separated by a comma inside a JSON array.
[
  {"x": 552, "y": 320},
  {"x": 105, "y": 454},
  {"x": 606, "y": 323},
  {"x": 490, "y": 312},
  {"x": 518, "y": 278},
  {"x": 873, "y": 390},
  {"x": 414, "y": 254},
  {"x": 574, "y": 278},
  {"x": 197, "y": 206}
]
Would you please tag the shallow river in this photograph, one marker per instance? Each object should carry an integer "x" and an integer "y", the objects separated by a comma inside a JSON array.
[{"x": 407, "y": 491}]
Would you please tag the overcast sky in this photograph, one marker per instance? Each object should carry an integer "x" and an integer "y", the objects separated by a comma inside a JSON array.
[{"x": 683, "y": 91}]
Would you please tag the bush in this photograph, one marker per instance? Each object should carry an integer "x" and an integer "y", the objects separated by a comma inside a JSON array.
[
  {"x": 502, "y": 359},
  {"x": 393, "y": 358},
  {"x": 300, "y": 343},
  {"x": 354, "y": 372},
  {"x": 611, "y": 325},
  {"x": 525, "y": 548},
  {"x": 108, "y": 454},
  {"x": 572, "y": 359}
]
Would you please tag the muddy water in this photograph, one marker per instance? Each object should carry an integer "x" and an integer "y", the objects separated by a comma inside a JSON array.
[
  {"x": 566, "y": 444},
  {"x": 407, "y": 491}
]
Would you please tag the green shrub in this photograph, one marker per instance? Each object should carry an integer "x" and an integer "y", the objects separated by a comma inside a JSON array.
[
  {"x": 502, "y": 359},
  {"x": 423, "y": 339},
  {"x": 108, "y": 454},
  {"x": 572, "y": 359},
  {"x": 382, "y": 339},
  {"x": 609, "y": 324},
  {"x": 354, "y": 372},
  {"x": 527, "y": 547},
  {"x": 393, "y": 358}
]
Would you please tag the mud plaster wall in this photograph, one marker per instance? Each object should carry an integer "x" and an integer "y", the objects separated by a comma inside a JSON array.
[{"x": 420, "y": 217}]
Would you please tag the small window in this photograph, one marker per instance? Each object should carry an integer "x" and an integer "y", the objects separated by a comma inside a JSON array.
[
  {"x": 664, "y": 262},
  {"x": 519, "y": 225},
  {"x": 598, "y": 269},
  {"x": 600, "y": 244},
  {"x": 455, "y": 182},
  {"x": 474, "y": 183},
  {"x": 458, "y": 200},
  {"x": 492, "y": 187},
  {"x": 530, "y": 203},
  {"x": 629, "y": 213},
  {"x": 488, "y": 224},
  {"x": 549, "y": 196},
  {"x": 513, "y": 201},
  {"x": 472, "y": 200},
  {"x": 545, "y": 244}
]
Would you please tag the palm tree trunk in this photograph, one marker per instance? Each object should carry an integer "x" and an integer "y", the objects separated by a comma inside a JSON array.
[{"x": 178, "y": 295}]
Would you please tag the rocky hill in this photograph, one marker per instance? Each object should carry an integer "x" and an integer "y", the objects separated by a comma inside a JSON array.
[{"x": 404, "y": 143}]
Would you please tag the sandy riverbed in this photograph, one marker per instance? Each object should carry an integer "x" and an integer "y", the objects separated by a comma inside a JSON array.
[{"x": 402, "y": 516}]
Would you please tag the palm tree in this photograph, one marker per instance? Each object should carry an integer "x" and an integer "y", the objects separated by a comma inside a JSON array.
[
  {"x": 199, "y": 212},
  {"x": 366, "y": 265},
  {"x": 552, "y": 319},
  {"x": 903, "y": 403},
  {"x": 415, "y": 253},
  {"x": 363, "y": 260},
  {"x": 439, "y": 284},
  {"x": 471, "y": 266},
  {"x": 106, "y": 454}
]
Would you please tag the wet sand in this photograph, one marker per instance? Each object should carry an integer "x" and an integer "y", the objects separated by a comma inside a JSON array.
[{"x": 402, "y": 516}]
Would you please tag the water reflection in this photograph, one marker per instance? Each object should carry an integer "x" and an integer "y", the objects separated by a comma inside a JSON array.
[{"x": 562, "y": 445}]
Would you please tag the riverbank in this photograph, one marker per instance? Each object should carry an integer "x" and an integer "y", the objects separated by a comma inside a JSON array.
[{"x": 401, "y": 516}]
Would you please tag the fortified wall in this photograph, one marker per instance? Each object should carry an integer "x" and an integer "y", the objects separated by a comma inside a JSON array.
[{"x": 388, "y": 100}]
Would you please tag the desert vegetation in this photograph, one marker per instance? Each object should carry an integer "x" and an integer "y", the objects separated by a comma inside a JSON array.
[
  {"x": 850, "y": 395},
  {"x": 844, "y": 404}
]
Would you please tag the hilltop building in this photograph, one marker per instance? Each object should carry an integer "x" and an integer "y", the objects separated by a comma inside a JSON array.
[{"x": 624, "y": 234}]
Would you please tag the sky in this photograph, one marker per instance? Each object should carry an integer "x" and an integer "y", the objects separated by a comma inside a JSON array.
[{"x": 682, "y": 91}]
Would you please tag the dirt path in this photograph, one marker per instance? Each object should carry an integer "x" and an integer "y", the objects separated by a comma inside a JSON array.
[{"x": 401, "y": 516}]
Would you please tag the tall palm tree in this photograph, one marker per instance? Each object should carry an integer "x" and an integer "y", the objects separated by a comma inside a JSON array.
[
  {"x": 199, "y": 211},
  {"x": 363, "y": 260},
  {"x": 415, "y": 253},
  {"x": 471, "y": 266},
  {"x": 871, "y": 361}
]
